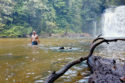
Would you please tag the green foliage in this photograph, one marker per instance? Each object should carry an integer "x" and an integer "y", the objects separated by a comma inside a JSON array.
[
  {"x": 18, "y": 31},
  {"x": 19, "y": 17}
]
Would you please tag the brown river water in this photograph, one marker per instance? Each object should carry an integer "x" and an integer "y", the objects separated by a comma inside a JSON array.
[{"x": 20, "y": 62}]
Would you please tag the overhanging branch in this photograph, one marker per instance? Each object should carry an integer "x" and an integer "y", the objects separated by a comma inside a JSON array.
[{"x": 99, "y": 40}]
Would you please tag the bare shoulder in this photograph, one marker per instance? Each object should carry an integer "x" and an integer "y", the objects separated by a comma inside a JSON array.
[{"x": 36, "y": 35}]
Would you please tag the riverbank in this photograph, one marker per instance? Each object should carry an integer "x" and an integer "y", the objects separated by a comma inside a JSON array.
[{"x": 46, "y": 35}]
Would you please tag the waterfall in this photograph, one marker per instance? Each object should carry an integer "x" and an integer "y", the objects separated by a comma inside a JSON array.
[
  {"x": 94, "y": 28},
  {"x": 113, "y": 26},
  {"x": 113, "y": 22}
]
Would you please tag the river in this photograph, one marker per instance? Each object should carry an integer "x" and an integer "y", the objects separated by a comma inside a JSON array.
[{"x": 20, "y": 62}]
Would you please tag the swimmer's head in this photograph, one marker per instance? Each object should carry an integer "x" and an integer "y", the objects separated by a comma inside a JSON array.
[{"x": 34, "y": 32}]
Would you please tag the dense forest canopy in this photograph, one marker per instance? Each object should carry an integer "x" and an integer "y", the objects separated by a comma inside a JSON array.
[{"x": 19, "y": 17}]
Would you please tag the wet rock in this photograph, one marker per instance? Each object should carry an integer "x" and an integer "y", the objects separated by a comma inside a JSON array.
[
  {"x": 61, "y": 48},
  {"x": 105, "y": 70},
  {"x": 67, "y": 48}
]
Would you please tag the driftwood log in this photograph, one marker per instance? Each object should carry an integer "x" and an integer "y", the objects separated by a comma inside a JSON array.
[
  {"x": 94, "y": 62},
  {"x": 105, "y": 70}
]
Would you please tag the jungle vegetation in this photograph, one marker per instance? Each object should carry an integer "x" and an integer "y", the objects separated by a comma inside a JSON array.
[{"x": 19, "y": 17}]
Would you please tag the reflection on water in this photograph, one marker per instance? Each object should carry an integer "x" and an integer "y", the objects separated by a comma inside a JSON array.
[{"x": 20, "y": 62}]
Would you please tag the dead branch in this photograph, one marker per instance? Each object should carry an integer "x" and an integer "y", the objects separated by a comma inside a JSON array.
[
  {"x": 98, "y": 38},
  {"x": 55, "y": 75}
]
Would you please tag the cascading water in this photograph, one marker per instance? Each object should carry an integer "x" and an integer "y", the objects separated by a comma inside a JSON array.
[
  {"x": 113, "y": 22},
  {"x": 113, "y": 26}
]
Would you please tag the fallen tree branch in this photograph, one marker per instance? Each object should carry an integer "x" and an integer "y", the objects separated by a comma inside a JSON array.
[
  {"x": 99, "y": 40},
  {"x": 56, "y": 75}
]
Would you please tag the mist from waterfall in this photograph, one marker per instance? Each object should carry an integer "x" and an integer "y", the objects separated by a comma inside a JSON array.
[
  {"x": 113, "y": 26},
  {"x": 113, "y": 22}
]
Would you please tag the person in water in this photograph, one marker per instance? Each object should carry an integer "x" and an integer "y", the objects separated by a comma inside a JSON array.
[{"x": 35, "y": 38}]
